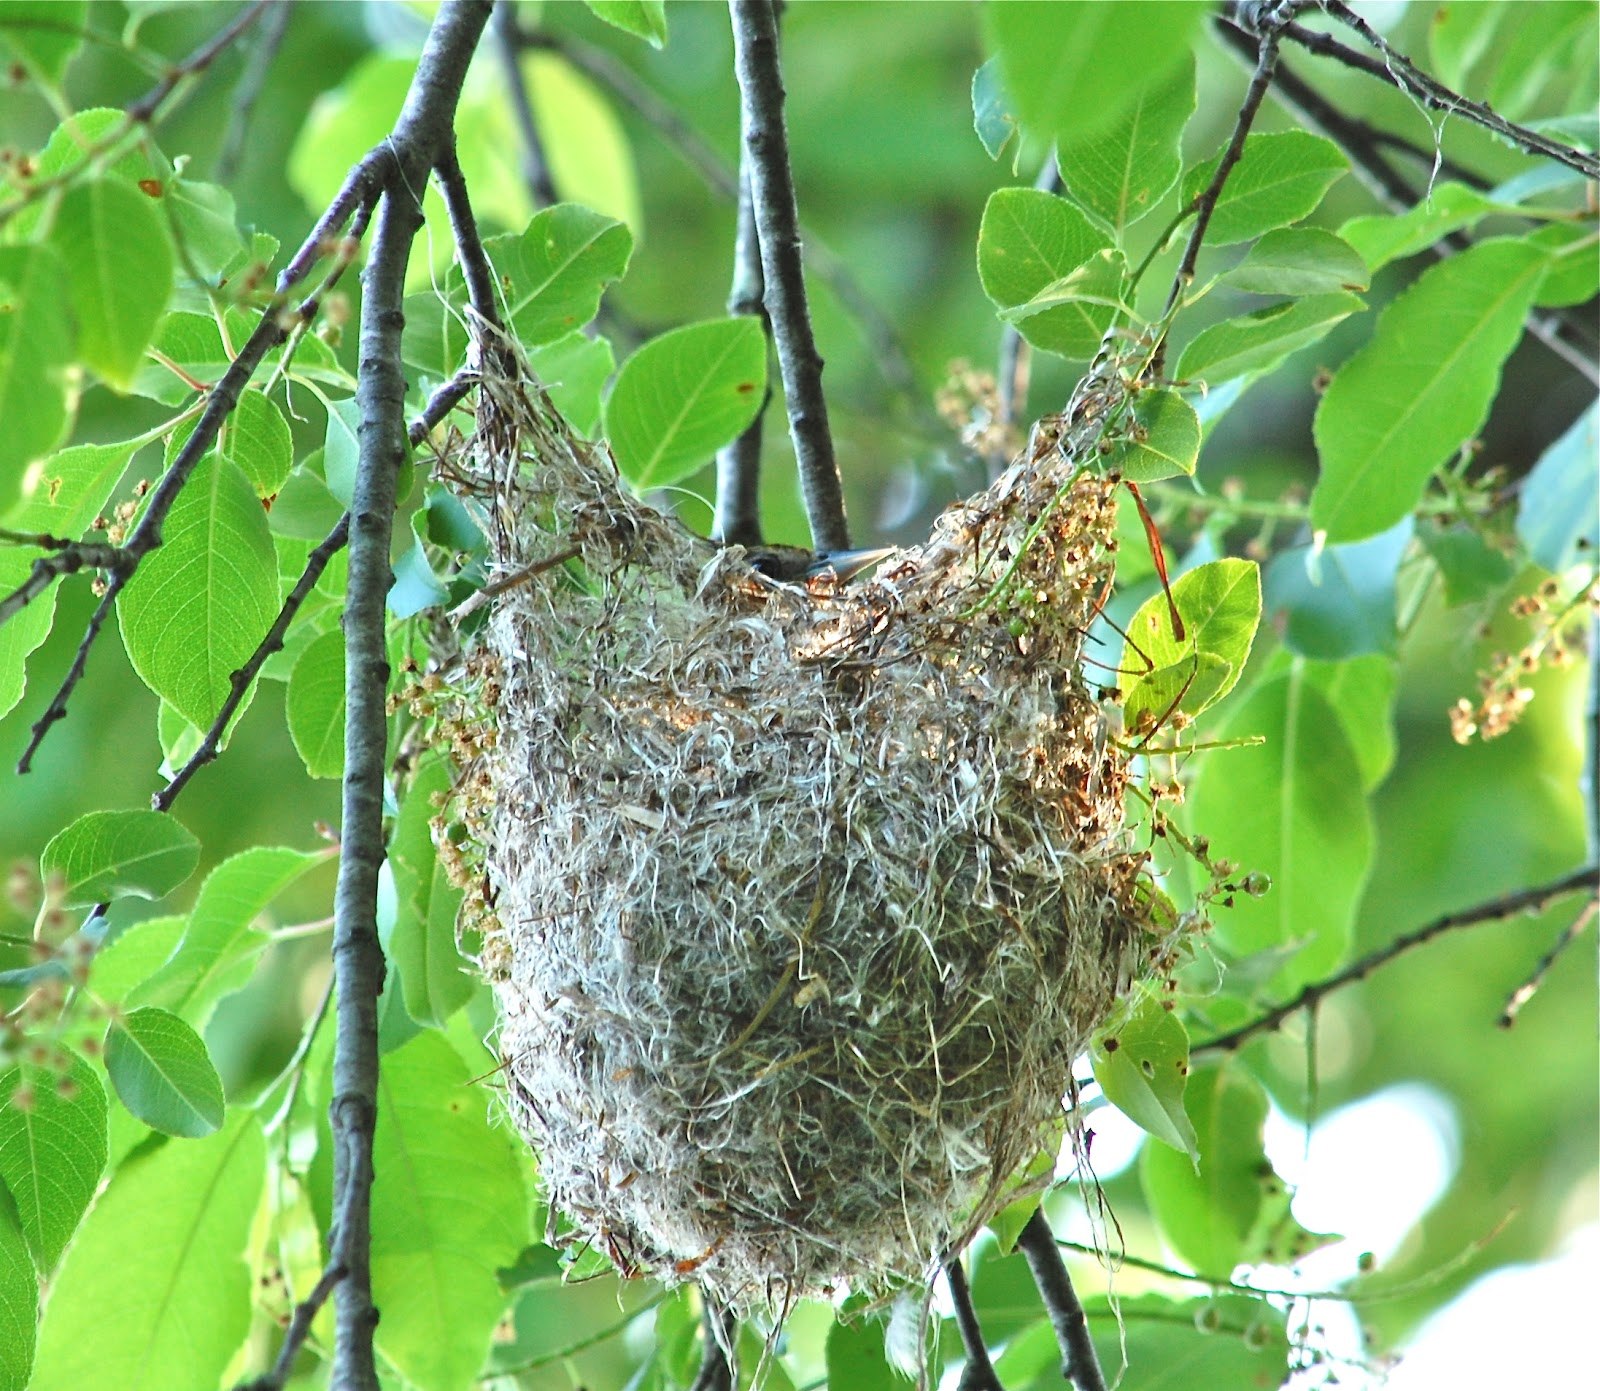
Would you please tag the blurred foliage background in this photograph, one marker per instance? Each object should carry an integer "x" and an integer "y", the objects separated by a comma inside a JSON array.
[{"x": 892, "y": 181}]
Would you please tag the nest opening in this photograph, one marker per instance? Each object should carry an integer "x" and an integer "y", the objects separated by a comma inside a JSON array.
[{"x": 801, "y": 899}]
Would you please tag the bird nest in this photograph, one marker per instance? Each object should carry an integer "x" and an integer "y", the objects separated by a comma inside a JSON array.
[{"x": 799, "y": 900}]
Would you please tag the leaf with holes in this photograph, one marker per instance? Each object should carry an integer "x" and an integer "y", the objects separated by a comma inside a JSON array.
[
  {"x": 1162, "y": 440},
  {"x": 684, "y": 395},
  {"x": 1142, "y": 1063},
  {"x": 197, "y": 605}
]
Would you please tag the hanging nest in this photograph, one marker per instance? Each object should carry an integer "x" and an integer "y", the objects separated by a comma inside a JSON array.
[{"x": 800, "y": 900}]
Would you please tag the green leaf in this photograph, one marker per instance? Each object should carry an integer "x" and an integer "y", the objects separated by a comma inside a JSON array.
[
  {"x": 1335, "y": 602},
  {"x": 1122, "y": 173},
  {"x": 647, "y": 19},
  {"x": 314, "y": 705},
  {"x": 205, "y": 226},
  {"x": 1162, "y": 439},
  {"x": 304, "y": 509},
  {"x": 256, "y": 438},
  {"x": 857, "y": 1359},
  {"x": 43, "y": 35},
  {"x": 1291, "y": 808},
  {"x": 588, "y": 150},
  {"x": 193, "y": 343},
  {"x": 1408, "y": 400},
  {"x": 114, "y": 247},
  {"x": 1230, "y": 1342},
  {"x": 154, "y": 1293},
  {"x": 574, "y": 371},
  {"x": 1573, "y": 276},
  {"x": 35, "y": 349},
  {"x": 70, "y": 490},
  {"x": 1458, "y": 36},
  {"x": 1207, "y": 1212},
  {"x": 197, "y": 606},
  {"x": 341, "y": 449},
  {"x": 1279, "y": 179},
  {"x": 1471, "y": 568},
  {"x": 1029, "y": 243},
  {"x": 1220, "y": 604},
  {"x": 1560, "y": 499},
  {"x": 435, "y": 980},
  {"x": 553, "y": 275},
  {"x": 992, "y": 117},
  {"x": 1068, "y": 67},
  {"x": 1361, "y": 691},
  {"x": 52, "y": 1152},
  {"x": 106, "y": 855},
  {"x": 218, "y": 948},
  {"x": 684, "y": 395},
  {"x": 1392, "y": 237},
  {"x": 1141, "y": 1063},
  {"x": 1299, "y": 261},
  {"x": 1259, "y": 341},
  {"x": 134, "y": 954},
  {"x": 163, "y": 1074},
  {"x": 448, "y": 1209},
  {"x": 19, "y": 1306}
]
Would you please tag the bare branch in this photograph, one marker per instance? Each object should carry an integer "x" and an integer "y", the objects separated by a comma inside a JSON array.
[
  {"x": 1080, "y": 1364},
  {"x": 1530, "y": 987},
  {"x": 738, "y": 514},
  {"x": 1395, "y": 69},
  {"x": 755, "y": 52},
  {"x": 1495, "y": 910},
  {"x": 535, "y": 167},
  {"x": 979, "y": 1373},
  {"x": 295, "y": 1335},
  {"x": 251, "y": 83}
]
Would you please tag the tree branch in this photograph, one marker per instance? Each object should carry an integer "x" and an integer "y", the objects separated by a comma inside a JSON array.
[
  {"x": 979, "y": 1373},
  {"x": 254, "y": 78},
  {"x": 755, "y": 56},
  {"x": 535, "y": 167},
  {"x": 1530, "y": 987},
  {"x": 1395, "y": 69},
  {"x": 1080, "y": 1364},
  {"x": 1495, "y": 910},
  {"x": 738, "y": 514}
]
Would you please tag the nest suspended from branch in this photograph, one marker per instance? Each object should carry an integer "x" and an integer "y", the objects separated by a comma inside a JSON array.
[{"x": 801, "y": 900}]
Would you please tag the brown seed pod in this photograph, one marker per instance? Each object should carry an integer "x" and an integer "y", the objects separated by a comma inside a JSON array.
[{"x": 804, "y": 898}]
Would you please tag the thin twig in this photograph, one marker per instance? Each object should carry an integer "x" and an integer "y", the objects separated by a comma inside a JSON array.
[
  {"x": 535, "y": 167},
  {"x": 1530, "y": 987},
  {"x": 1080, "y": 1364},
  {"x": 755, "y": 52},
  {"x": 716, "y": 1367},
  {"x": 979, "y": 1373},
  {"x": 738, "y": 512},
  {"x": 1394, "y": 68},
  {"x": 251, "y": 84},
  {"x": 295, "y": 1335},
  {"x": 1495, "y": 910}
]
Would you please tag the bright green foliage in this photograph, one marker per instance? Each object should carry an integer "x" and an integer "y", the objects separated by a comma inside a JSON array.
[
  {"x": 256, "y": 438},
  {"x": 1121, "y": 173},
  {"x": 1029, "y": 244},
  {"x": 1141, "y": 1062},
  {"x": 683, "y": 396},
  {"x": 435, "y": 981},
  {"x": 43, "y": 35},
  {"x": 1220, "y": 605},
  {"x": 163, "y": 1074},
  {"x": 448, "y": 1209},
  {"x": 1383, "y": 238},
  {"x": 553, "y": 275},
  {"x": 1279, "y": 179},
  {"x": 196, "y": 607},
  {"x": 1293, "y": 809},
  {"x": 154, "y": 1294},
  {"x": 19, "y": 1298},
  {"x": 992, "y": 117},
  {"x": 645, "y": 18},
  {"x": 1559, "y": 506},
  {"x": 52, "y": 1152},
  {"x": 1573, "y": 274},
  {"x": 117, "y": 257},
  {"x": 35, "y": 346},
  {"x": 219, "y": 946},
  {"x": 1223, "y": 1343},
  {"x": 1067, "y": 68},
  {"x": 1208, "y": 1211},
  {"x": 1299, "y": 261},
  {"x": 1261, "y": 340},
  {"x": 857, "y": 1357},
  {"x": 314, "y": 706},
  {"x": 1472, "y": 569},
  {"x": 113, "y": 854},
  {"x": 575, "y": 370},
  {"x": 1421, "y": 388},
  {"x": 1163, "y": 439},
  {"x": 1361, "y": 692},
  {"x": 1339, "y": 601},
  {"x": 72, "y": 488}
]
